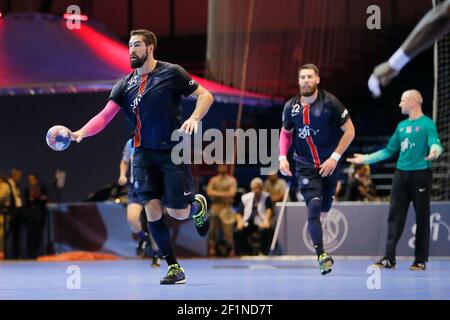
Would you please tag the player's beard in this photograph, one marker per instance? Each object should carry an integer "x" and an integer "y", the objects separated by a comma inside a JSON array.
[
  {"x": 309, "y": 91},
  {"x": 138, "y": 62}
]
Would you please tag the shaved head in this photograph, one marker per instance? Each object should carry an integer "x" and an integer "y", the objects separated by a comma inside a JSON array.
[
  {"x": 411, "y": 102},
  {"x": 414, "y": 95}
]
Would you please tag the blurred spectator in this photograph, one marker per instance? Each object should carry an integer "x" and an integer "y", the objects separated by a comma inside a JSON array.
[
  {"x": 275, "y": 186},
  {"x": 14, "y": 179},
  {"x": 34, "y": 215},
  {"x": 5, "y": 202},
  {"x": 221, "y": 190},
  {"x": 5, "y": 193},
  {"x": 253, "y": 230},
  {"x": 338, "y": 191},
  {"x": 14, "y": 220},
  {"x": 360, "y": 186}
]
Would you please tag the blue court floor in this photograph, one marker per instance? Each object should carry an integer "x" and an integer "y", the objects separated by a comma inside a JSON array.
[{"x": 221, "y": 279}]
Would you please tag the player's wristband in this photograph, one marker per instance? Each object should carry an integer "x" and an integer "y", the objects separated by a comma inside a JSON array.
[
  {"x": 374, "y": 85},
  {"x": 398, "y": 60},
  {"x": 282, "y": 158},
  {"x": 336, "y": 156}
]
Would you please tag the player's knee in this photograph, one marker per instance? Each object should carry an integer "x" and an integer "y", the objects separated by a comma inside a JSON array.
[
  {"x": 154, "y": 205},
  {"x": 133, "y": 214},
  {"x": 134, "y": 211},
  {"x": 314, "y": 201},
  {"x": 153, "y": 210},
  {"x": 179, "y": 214}
]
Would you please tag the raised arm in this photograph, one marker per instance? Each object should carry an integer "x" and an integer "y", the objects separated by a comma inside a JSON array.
[{"x": 432, "y": 27}]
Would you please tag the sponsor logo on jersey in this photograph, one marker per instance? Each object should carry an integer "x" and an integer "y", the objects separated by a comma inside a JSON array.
[
  {"x": 406, "y": 144},
  {"x": 135, "y": 103},
  {"x": 306, "y": 131}
]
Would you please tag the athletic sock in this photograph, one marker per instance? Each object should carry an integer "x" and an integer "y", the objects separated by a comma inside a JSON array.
[
  {"x": 161, "y": 235},
  {"x": 314, "y": 224}
]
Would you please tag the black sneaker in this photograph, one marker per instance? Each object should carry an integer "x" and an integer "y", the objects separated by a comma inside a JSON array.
[
  {"x": 201, "y": 218},
  {"x": 175, "y": 275},
  {"x": 385, "y": 263},
  {"x": 156, "y": 261},
  {"x": 140, "y": 248},
  {"x": 418, "y": 266}
]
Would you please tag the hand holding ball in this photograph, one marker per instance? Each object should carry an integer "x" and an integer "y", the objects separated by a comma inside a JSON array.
[{"x": 58, "y": 138}]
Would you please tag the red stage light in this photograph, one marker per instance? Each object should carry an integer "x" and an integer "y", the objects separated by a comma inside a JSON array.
[{"x": 112, "y": 51}]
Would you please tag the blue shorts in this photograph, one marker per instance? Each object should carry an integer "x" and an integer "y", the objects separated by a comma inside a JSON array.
[
  {"x": 312, "y": 185},
  {"x": 132, "y": 198},
  {"x": 155, "y": 176}
]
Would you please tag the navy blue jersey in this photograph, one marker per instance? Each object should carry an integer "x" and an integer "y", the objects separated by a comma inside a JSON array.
[
  {"x": 317, "y": 127},
  {"x": 151, "y": 103}
]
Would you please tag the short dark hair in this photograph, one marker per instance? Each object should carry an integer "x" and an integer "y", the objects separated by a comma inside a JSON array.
[
  {"x": 310, "y": 66},
  {"x": 149, "y": 37}
]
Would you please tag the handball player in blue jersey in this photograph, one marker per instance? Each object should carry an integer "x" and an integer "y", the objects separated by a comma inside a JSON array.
[
  {"x": 320, "y": 129},
  {"x": 150, "y": 99}
]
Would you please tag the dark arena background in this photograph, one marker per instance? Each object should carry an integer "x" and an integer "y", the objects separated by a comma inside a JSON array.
[{"x": 65, "y": 232}]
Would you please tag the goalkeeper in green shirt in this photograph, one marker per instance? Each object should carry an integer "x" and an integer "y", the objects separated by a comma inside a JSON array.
[{"x": 417, "y": 141}]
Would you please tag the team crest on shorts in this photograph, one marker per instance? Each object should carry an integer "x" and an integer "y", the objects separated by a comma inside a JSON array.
[
  {"x": 305, "y": 181},
  {"x": 136, "y": 184}
]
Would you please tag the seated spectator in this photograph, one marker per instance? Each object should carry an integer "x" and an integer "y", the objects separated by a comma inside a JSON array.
[
  {"x": 360, "y": 186},
  {"x": 221, "y": 190},
  {"x": 275, "y": 186},
  {"x": 254, "y": 231}
]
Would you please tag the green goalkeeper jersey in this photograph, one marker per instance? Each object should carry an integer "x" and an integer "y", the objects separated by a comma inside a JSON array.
[{"x": 414, "y": 139}]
